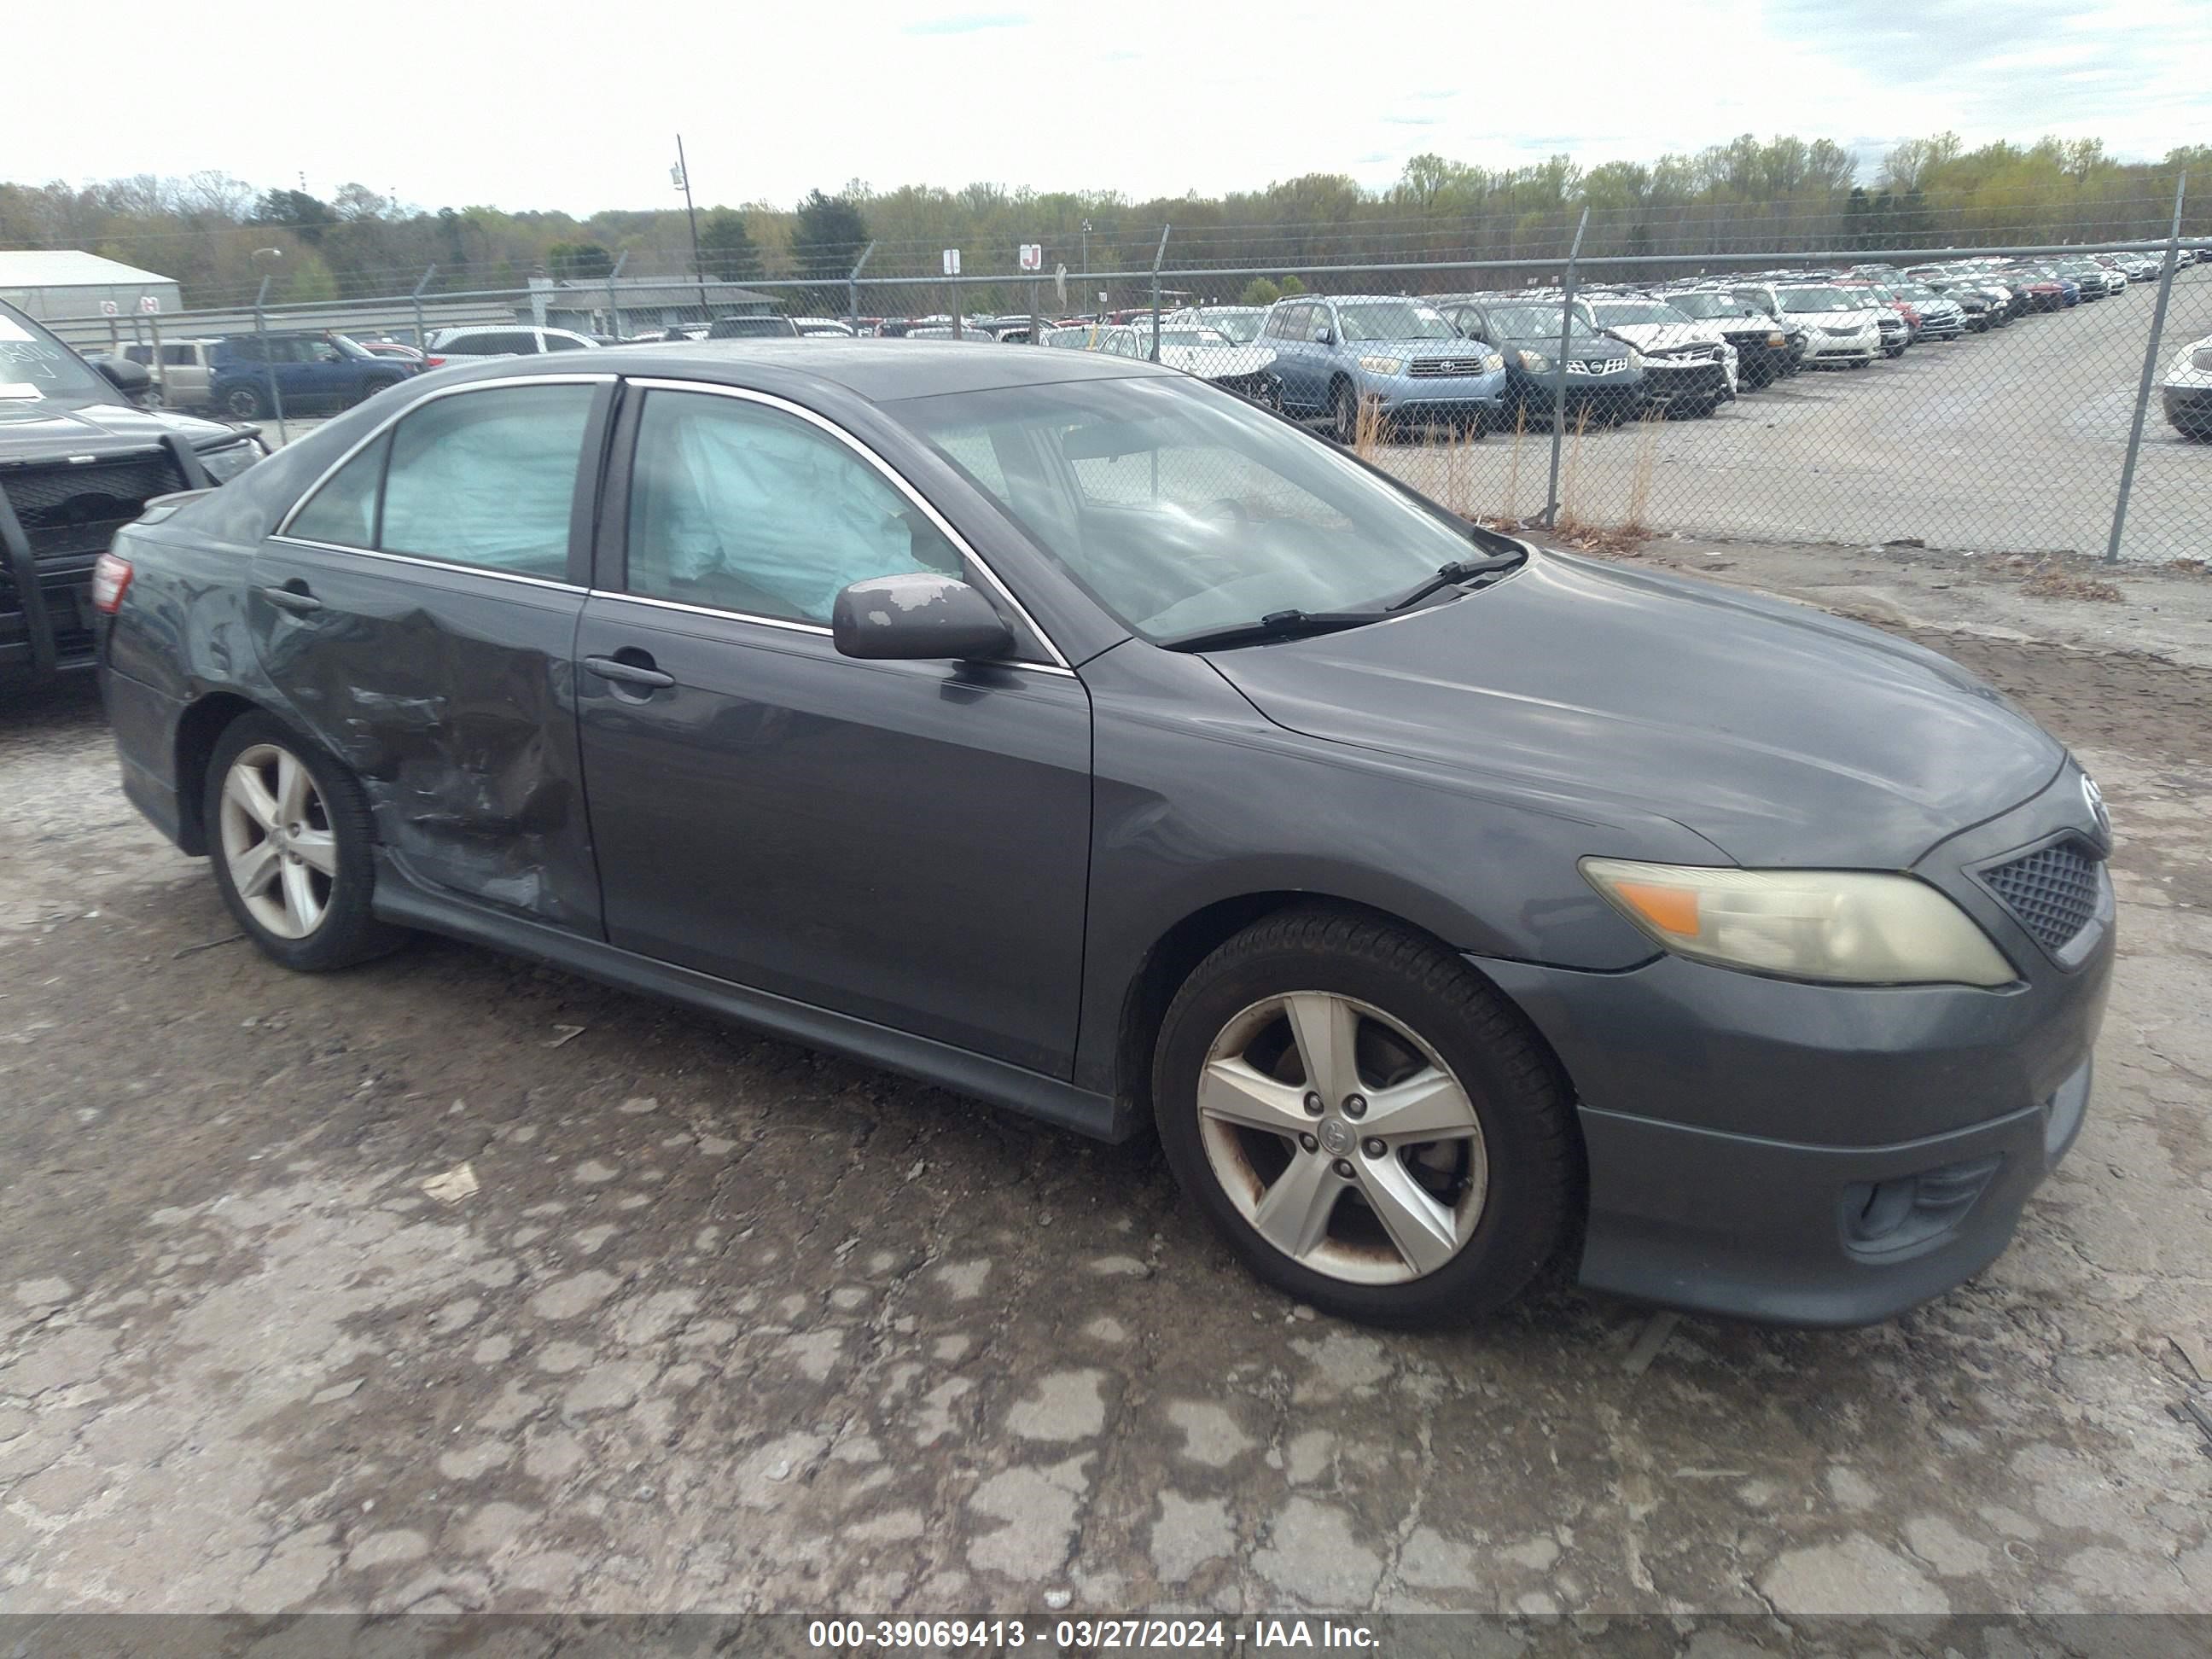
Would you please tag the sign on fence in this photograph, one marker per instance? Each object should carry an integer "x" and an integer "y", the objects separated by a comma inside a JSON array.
[
  {"x": 109, "y": 308},
  {"x": 1032, "y": 256},
  {"x": 952, "y": 261},
  {"x": 149, "y": 303}
]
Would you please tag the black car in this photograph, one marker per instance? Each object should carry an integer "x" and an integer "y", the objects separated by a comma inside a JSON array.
[
  {"x": 76, "y": 460},
  {"x": 1604, "y": 384},
  {"x": 1063, "y": 730},
  {"x": 752, "y": 328}
]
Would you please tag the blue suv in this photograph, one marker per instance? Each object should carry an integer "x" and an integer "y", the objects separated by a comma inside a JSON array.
[
  {"x": 1332, "y": 352},
  {"x": 248, "y": 372}
]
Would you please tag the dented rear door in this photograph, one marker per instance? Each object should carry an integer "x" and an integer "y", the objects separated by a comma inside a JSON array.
[{"x": 419, "y": 616}]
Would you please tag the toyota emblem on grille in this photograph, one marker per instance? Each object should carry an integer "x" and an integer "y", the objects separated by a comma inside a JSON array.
[{"x": 2093, "y": 798}]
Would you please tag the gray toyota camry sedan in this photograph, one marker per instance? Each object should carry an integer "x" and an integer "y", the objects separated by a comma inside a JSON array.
[{"x": 1067, "y": 733}]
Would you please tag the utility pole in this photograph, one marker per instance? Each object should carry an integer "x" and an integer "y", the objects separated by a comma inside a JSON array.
[
  {"x": 698, "y": 265},
  {"x": 1086, "y": 258}
]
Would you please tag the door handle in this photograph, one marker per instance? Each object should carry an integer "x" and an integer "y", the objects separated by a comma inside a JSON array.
[
  {"x": 295, "y": 599},
  {"x": 629, "y": 673}
]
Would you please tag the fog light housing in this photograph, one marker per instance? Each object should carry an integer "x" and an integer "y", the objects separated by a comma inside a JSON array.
[{"x": 1883, "y": 1218}]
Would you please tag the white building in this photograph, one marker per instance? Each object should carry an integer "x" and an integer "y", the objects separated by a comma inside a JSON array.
[{"x": 63, "y": 285}]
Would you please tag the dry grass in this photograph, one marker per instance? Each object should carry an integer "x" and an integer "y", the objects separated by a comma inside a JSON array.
[
  {"x": 2052, "y": 580},
  {"x": 1509, "y": 511},
  {"x": 1642, "y": 476},
  {"x": 1367, "y": 430},
  {"x": 1570, "y": 521}
]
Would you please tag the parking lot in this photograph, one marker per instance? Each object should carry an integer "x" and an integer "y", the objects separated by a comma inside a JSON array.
[
  {"x": 449, "y": 1282},
  {"x": 2008, "y": 441}
]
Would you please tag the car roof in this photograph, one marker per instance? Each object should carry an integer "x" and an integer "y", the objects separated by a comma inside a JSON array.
[{"x": 880, "y": 370}]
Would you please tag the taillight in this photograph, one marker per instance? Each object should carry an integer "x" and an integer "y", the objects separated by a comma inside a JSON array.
[
  {"x": 111, "y": 581},
  {"x": 434, "y": 363}
]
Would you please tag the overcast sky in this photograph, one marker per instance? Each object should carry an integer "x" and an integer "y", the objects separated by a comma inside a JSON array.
[{"x": 555, "y": 105}]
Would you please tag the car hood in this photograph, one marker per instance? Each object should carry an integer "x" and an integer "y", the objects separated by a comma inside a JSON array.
[
  {"x": 1217, "y": 363},
  {"x": 41, "y": 429},
  {"x": 1658, "y": 336},
  {"x": 1783, "y": 736}
]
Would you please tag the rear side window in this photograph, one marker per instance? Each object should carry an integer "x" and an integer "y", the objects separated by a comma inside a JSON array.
[
  {"x": 484, "y": 479},
  {"x": 180, "y": 355},
  {"x": 562, "y": 343}
]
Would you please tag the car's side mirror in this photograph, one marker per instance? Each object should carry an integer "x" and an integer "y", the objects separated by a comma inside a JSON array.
[
  {"x": 1323, "y": 337},
  {"x": 133, "y": 381},
  {"x": 917, "y": 618}
]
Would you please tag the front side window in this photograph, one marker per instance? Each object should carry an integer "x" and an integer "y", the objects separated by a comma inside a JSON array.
[
  {"x": 566, "y": 342},
  {"x": 1181, "y": 508},
  {"x": 482, "y": 478},
  {"x": 740, "y": 507}
]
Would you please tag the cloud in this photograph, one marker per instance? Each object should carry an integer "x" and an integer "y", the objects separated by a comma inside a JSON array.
[{"x": 969, "y": 22}]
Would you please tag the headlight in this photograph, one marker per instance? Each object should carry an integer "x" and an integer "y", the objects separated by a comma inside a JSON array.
[
  {"x": 1777, "y": 339},
  {"x": 1849, "y": 925},
  {"x": 226, "y": 463},
  {"x": 2202, "y": 359},
  {"x": 1383, "y": 365},
  {"x": 1636, "y": 359},
  {"x": 1493, "y": 362},
  {"x": 1535, "y": 362}
]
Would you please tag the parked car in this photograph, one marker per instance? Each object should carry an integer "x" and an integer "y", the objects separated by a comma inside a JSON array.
[
  {"x": 1602, "y": 376},
  {"x": 1762, "y": 345},
  {"x": 752, "y": 328},
  {"x": 1334, "y": 352},
  {"x": 1452, "y": 907},
  {"x": 822, "y": 328},
  {"x": 2186, "y": 391},
  {"x": 1247, "y": 371},
  {"x": 1240, "y": 323},
  {"x": 309, "y": 371},
  {"x": 462, "y": 345},
  {"x": 398, "y": 349},
  {"x": 1689, "y": 367},
  {"x": 1839, "y": 329},
  {"x": 2097, "y": 283},
  {"x": 77, "y": 459},
  {"x": 1077, "y": 336},
  {"x": 180, "y": 369},
  {"x": 1940, "y": 317},
  {"x": 2045, "y": 289}
]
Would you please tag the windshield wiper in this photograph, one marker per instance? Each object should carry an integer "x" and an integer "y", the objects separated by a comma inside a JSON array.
[
  {"x": 1451, "y": 575},
  {"x": 1275, "y": 625}
]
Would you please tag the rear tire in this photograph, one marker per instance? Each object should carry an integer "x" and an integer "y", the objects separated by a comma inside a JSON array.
[
  {"x": 291, "y": 838},
  {"x": 243, "y": 402},
  {"x": 1344, "y": 413},
  {"x": 1441, "y": 1221}
]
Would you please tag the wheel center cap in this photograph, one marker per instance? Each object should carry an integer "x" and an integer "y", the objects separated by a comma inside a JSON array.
[{"x": 1336, "y": 1136}]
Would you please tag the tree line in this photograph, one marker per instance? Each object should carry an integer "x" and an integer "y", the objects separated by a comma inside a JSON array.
[{"x": 219, "y": 237}]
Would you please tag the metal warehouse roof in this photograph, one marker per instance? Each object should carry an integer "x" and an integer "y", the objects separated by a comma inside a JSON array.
[{"x": 68, "y": 268}]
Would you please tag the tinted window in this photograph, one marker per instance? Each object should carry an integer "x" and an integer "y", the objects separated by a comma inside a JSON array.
[
  {"x": 748, "y": 508},
  {"x": 486, "y": 479},
  {"x": 562, "y": 343},
  {"x": 510, "y": 342},
  {"x": 343, "y": 511},
  {"x": 245, "y": 351},
  {"x": 138, "y": 353},
  {"x": 184, "y": 354}
]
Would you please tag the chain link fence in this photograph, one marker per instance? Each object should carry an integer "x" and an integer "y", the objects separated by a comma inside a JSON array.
[{"x": 2017, "y": 399}]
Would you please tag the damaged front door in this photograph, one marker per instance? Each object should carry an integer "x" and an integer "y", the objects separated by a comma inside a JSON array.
[{"x": 418, "y": 611}]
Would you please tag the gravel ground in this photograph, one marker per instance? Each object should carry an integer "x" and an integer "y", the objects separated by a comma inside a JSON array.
[
  {"x": 2007, "y": 441},
  {"x": 452, "y": 1282}
]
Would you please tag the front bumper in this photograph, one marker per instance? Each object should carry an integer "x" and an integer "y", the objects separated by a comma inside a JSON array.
[
  {"x": 2188, "y": 409},
  {"x": 1406, "y": 395},
  {"x": 1824, "y": 1155},
  {"x": 1825, "y": 347}
]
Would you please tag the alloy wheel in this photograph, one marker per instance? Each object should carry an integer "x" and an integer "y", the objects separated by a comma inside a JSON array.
[
  {"x": 1342, "y": 1138},
  {"x": 277, "y": 844}
]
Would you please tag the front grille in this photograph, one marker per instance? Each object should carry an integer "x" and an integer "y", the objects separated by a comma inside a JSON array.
[
  {"x": 2052, "y": 892},
  {"x": 1595, "y": 365},
  {"x": 66, "y": 509},
  {"x": 1424, "y": 367}
]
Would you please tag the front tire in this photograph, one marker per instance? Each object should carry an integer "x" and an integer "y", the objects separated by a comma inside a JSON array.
[
  {"x": 1439, "y": 1176},
  {"x": 288, "y": 829}
]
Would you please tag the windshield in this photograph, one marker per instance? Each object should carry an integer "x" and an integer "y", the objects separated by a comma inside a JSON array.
[
  {"x": 1182, "y": 509},
  {"x": 347, "y": 346},
  {"x": 1819, "y": 299},
  {"x": 1241, "y": 326},
  {"x": 1185, "y": 337},
  {"x": 34, "y": 365},
  {"x": 1533, "y": 322},
  {"x": 1917, "y": 291},
  {"x": 1634, "y": 313},
  {"x": 1394, "y": 320},
  {"x": 1713, "y": 305}
]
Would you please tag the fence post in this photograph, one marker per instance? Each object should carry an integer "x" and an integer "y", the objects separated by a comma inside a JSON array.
[
  {"x": 1559, "y": 392},
  {"x": 261, "y": 331},
  {"x": 2150, "y": 372},
  {"x": 614, "y": 301},
  {"x": 853, "y": 289},
  {"x": 1159, "y": 254},
  {"x": 422, "y": 336},
  {"x": 161, "y": 369}
]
